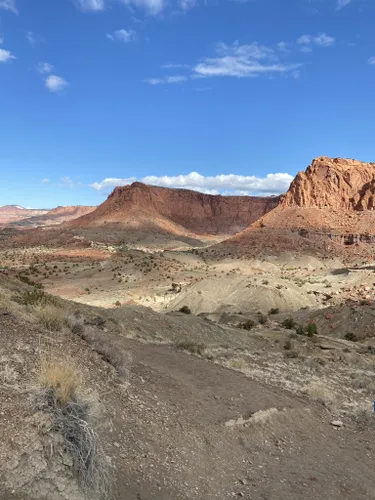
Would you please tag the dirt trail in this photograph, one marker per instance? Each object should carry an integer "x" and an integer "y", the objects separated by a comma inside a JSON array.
[{"x": 296, "y": 454}]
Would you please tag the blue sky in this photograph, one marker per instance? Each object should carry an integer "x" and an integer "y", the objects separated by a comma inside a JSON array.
[{"x": 95, "y": 93}]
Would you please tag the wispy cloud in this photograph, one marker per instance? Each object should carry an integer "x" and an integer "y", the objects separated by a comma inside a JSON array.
[
  {"x": 241, "y": 61},
  {"x": 342, "y": 3},
  {"x": 55, "y": 83},
  {"x": 122, "y": 35},
  {"x": 186, "y": 5},
  {"x": 308, "y": 41},
  {"x": 45, "y": 181},
  {"x": 153, "y": 7},
  {"x": 166, "y": 79},
  {"x": 228, "y": 184},
  {"x": 30, "y": 37},
  {"x": 6, "y": 56},
  {"x": 174, "y": 66},
  {"x": 371, "y": 60},
  {"x": 90, "y": 5},
  {"x": 69, "y": 182},
  {"x": 44, "y": 68},
  {"x": 9, "y": 5}
]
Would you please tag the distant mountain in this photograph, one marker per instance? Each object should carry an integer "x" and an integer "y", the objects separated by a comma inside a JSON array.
[
  {"x": 13, "y": 213},
  {"x": 54, "y": 217}
]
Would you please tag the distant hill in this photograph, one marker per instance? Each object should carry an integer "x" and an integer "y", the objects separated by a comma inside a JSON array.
[
  {"x": 12, "y": 213},
  {"x": 53, "y": 217}
]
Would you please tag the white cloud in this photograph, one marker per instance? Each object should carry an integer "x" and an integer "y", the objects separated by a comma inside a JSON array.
[
  {"x": 45, "y": 181},
  {"x": 6, "y": 56},
  {"x": 55, "y": 83},
  {"x": 228, "y": 184},
  {"x": 186, "y": 4},
  {"x": 31, "y": 38},
  {"x": 174, "y": 66},
  {"x": 371, "y": 60},
  {"x": 1, "y": 40},
  {"x": 154, "y": 7},
  {"x": 283, "y": 46},
  {"x": 122, "y": 35},
  {"x": 321, "y": 40},
  {"x": 9, "y": 5},
  {"x": 69, "y": 182},
  {"x": 242, "y": 61},
  {"x": 91, "y": 5},
  {"x": 342, "y": 3},
  {"x": 166, "y": 79},
  {"x": 44, "y": 68}
]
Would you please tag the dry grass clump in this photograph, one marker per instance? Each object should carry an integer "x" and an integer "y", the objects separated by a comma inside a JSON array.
[
  {"x": 319, "y": 392},
  {"x": 237, "y": 364},
  {"x": 58, "y": 383},
  {"x": 191, "y": 347},
  {"x": 8, "y": 375},
  {"x": 50, "y": 316},
  {"x": 364, "y": 417},
  {"x": 59, "y": 376}
]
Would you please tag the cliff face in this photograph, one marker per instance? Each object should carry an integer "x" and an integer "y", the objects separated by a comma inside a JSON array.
[
  {"x": 195, "y": 212},
  {"x": 333, "y": 183}
]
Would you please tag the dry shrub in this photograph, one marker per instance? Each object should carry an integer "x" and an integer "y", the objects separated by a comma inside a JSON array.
[
  {"x": 75, "y": 323},
  {"x": 8, "y": 375},
  {"x": 364, "y": 417},
  {"x": 238, "y": 364},
  {"x": 58, "y": 383},
  {"x": 50, "y": 316},
  {"x": 319, "y": 392}
]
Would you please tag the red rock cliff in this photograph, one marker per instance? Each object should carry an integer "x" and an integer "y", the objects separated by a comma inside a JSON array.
[
  {"x": 194, "y": 211},
  {"x": 333, "y": 183}
]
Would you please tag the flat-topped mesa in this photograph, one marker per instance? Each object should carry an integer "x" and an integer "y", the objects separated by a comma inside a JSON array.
[
  {"x": 333, "y": 183},
  {"x": 141, "y": 205}
]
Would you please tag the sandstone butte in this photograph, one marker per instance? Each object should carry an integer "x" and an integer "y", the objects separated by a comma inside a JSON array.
[
  {"x": 176, "y": 210},
  {"x": 327, "y": 209},
  {"x": 333, "y": 183}
]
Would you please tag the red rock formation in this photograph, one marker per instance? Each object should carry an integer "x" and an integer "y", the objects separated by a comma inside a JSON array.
[
  {"x": 52, "y": 217},
  {"x": 333, "y": 183},
  {"x": 328, "y": 209},
  {"x": 11, "y": 213},
  {"x": 176, "y": 210}
]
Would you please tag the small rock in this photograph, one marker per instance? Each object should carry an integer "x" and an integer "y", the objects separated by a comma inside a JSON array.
[
  {"x": 116, "y": 444},
  {"x": 337, "y": 423}
]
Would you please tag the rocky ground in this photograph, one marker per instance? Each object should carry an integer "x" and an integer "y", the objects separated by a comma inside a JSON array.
[{"x": 189, "y": 408}]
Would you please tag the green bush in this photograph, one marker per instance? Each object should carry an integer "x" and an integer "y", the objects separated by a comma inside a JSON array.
[
  {"x": 262, "y": 319},
  {"x": 288, "y": 323},
  {"x": 35, "y": 297},
  {"x": 247, "y": 325},
  {"x": 185, "y": 310},
  {"x": 351, "y": 336},
  {"x": 300, "y": 330},
  {"x": 311, "y": 329}
]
